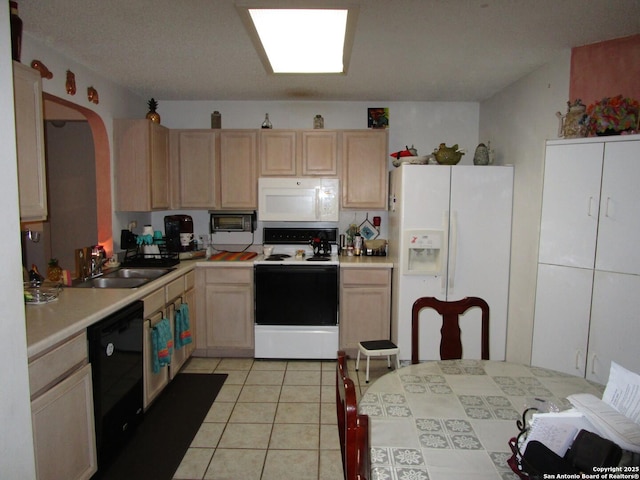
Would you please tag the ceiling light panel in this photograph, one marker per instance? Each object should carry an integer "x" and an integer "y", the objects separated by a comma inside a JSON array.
[{"x": 301, "y": 40}]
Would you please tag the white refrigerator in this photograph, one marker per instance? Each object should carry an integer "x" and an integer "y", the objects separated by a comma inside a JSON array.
[{"x": 450, "y": 238}]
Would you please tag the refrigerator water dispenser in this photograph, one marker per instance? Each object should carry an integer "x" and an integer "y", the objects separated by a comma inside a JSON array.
[{"x": 424, "y": 252}]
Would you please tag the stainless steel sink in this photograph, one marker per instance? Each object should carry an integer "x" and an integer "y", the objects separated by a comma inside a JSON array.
[
  {"x": 124, "y": 278},
  {"x": 151, "y": 273},
  {"x": 113, "y": 282}
]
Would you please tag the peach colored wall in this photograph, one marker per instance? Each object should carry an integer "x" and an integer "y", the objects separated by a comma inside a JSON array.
[{"x": 606, "y": 69}]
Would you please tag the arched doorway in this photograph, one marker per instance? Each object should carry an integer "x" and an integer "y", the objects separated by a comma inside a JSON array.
[{"x": 91, "y": 221}]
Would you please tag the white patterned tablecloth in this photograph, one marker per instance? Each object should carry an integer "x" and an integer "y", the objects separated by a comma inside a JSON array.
[{"x": 451, "y": 420}]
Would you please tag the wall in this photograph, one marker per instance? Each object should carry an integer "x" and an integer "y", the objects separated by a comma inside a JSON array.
[
  {"x": 605, "y": 69},
  {"x": 16, "y": 441},
  {"x": 517, "y": 121},
  {"x": 71, "y": 172}
]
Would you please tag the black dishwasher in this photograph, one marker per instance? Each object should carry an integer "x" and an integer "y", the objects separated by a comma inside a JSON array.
[{"x": 115, "y": 353}]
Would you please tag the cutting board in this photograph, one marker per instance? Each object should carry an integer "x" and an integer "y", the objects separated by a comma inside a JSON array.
[{"x": 232, "y": 256}]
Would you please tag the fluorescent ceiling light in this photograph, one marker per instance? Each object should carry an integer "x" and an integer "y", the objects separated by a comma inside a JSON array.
[{"x": 301, "y": 40}]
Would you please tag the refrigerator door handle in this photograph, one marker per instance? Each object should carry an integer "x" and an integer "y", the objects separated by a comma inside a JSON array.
[
  {"x": 454, "y": 251},
  {"x": 444, "y": 251}
]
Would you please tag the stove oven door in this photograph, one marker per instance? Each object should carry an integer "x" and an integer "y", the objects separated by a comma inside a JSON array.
[{"x": 296, "y": 295}]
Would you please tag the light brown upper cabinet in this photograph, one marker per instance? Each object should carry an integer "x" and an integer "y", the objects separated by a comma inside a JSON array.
[
  {"x": 298, "y": 153},
  {"x": 238, "y": 169},
  {"x": 32, "y": 179},
  {"x": 194, "y": 168},
  {"x": 364, "y": 178},
  {"x": 141, "y": 165}
]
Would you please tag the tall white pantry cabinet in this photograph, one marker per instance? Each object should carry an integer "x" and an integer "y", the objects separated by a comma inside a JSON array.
[{"x": 587, "y": 310}]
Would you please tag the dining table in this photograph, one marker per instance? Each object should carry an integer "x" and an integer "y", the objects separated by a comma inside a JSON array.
[{"x": 452, "y": 419}]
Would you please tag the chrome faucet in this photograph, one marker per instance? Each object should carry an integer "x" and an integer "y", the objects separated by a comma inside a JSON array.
[
  {"x": 89, "y": 262},
  {"x": 98, "y": 259}
]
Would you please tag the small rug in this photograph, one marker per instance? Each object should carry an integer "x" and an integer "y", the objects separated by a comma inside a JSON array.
[
  {"x": 232, "y": 256},
  {"x": 168, "y": 428}
]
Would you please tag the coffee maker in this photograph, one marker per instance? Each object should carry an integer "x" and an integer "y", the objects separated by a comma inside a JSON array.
[{"x": 178, "y": 230}]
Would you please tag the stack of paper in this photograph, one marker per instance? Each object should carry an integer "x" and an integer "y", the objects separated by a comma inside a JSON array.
[{"x": 615, "y": 417}]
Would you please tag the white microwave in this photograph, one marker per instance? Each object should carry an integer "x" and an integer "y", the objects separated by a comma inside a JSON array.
[{"x": 307, "y": 199}]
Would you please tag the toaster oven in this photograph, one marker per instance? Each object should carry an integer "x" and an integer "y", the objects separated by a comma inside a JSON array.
[{"x": 232, "y": 221}]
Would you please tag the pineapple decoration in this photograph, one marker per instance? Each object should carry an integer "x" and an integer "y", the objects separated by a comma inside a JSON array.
[
  {"x": 54, "y": 271},
  {"x": 152, "y": 114}
]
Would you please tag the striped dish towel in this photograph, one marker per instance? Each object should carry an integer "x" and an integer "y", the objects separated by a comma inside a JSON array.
[
  {"x": 162, "y": 344},
  {"x": 183, "y": 329}
]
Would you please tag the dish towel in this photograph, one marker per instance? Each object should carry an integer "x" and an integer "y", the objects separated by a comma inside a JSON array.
[
  {"x": 162, "y": 342},
  {"x": 183, "y": 329}
]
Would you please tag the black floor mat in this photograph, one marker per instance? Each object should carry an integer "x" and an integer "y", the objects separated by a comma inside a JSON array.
[{"x": 161, "y": 440}]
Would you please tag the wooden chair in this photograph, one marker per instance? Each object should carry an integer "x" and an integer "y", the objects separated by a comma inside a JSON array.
[
  {"x": 450, "y": 342},
  {"x": 352, "y": 427}
]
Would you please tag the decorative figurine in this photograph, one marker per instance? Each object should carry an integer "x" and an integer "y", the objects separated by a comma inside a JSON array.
[
  {"x": 152, "y": 114},
  {"x": 71, "y": 83},
  {"x": 41, "y": 67},
  {"x": 92, "y": 95}
]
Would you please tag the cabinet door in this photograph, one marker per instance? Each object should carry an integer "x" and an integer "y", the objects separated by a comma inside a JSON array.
[
  {"x": 619, "y": 229},
  {"x": 615, "y": 329},
  {"x": 180, "y": 355},
  {"x": 277, "y": 153},
  {"x": 238, "y": 167},
  {"x": 229, "y": 316},
  {"x": 570, "y": 203},
  {"x": 319, "y": 154},
  {"x": 141, "y": 153},
  {"x": 154, "y": 383},
  {"x": 195, "y": 156},
  {"x": 365, "y": 307},
  {"x": 190, "y": 299},
  {"x": 561, "y": 324},
  {"x": 159, "y": 152},
  {"x": 364, "y": 169},
  {"x": 64, "y": 430},
  {"x": 32, "y": 178}
]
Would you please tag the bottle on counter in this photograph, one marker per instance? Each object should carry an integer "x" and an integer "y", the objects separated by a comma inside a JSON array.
[
  {"x": 267, "y": 122},
  {"x": 357, "y": 244}
]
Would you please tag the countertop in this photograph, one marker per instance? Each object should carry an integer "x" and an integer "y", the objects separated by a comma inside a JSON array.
[{"x": 77, "y": 308}]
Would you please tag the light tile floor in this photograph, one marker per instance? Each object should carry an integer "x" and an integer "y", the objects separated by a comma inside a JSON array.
[{"x": 272, "y": 420}]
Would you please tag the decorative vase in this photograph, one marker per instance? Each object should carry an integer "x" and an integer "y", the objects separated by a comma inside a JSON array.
[
  {"x": 481, "y": 156},
  {"x": 16, "y": 32},
  {"x": 152, "y": 114},
  {"x": 448, "y": 155},
  {"x": 574, "y": 123}
]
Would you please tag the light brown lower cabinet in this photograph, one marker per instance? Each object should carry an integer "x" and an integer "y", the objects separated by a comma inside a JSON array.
[
  {"x": 63, "y": 429},
  {"x": 365, "y": 306},
  {"x": 225, "y": 317},
  {"x": 158, "y": 305}
]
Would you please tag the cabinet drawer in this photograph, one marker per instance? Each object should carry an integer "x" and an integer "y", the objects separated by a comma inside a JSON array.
[
  {"x": 53, "y": 365},
  {"x": 190, "y": 280},
  {"x": 365, "y": 276},
  {"x": 153, "y": 302},
  {"x": 175, "y": 289},
  {"x": 229, "y": 275}
]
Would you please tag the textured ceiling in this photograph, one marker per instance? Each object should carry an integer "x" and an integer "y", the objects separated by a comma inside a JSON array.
[{"x": 404, "y": 50}]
